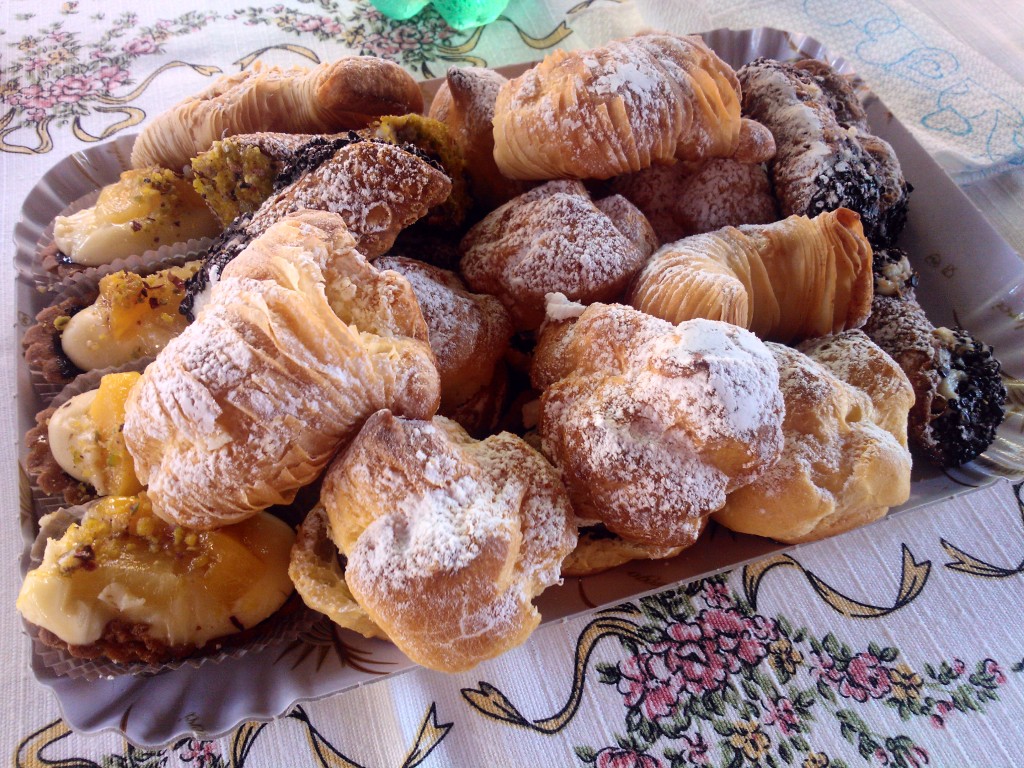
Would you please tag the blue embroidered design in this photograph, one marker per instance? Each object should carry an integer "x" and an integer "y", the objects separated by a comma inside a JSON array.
[{"x": 986, "y": 125}]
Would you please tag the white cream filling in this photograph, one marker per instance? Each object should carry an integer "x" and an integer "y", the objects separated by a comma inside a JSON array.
[{"x": 74, "y": 443}]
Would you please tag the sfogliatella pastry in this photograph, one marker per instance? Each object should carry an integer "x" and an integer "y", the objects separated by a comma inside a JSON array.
[
  {"x": 77, "y": 449},
  {"x": 465, "y": 103},
  {"x": 447, "y": 539},
  {"x": 826, "y": 156},
  {"x": 376, "y": 187},
  {"x": 960, "y": 396},
  {"x": 301, "y": 340},
  {"x": 144, "y": 210},
  {"x": 690, "y": 198},
  {"x": 794, "y": 279},
  {"x": 611, "y": 110},
  {"x": 845, "y": 460},
  {"x": 129, "y": 316},
  {"x": 555, "y": 239},
  {"x": 121, "y": 583},
  {"x": 469, "y": 334},
  {"x": 334, "y": 96},
  {"x": 650, "y": 424}
]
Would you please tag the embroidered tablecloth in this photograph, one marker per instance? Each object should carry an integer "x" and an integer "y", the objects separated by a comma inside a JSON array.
[{"x": 900, "y": 644}]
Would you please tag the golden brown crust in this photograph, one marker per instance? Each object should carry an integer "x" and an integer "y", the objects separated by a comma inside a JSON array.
[
  {"x": 469, "y": 335},
  {"x": 790, "y": 280},
  {"x": 301, "y": 340},
  {"x": 691, "y": 198},
  {"x": 845, "y": 460},
  {"x": 448, "y": 539},
  {"x": 618, "y": 108},
  {"x": 599, "y": 550},
  {"x": 465, "y": 103},
  {"x": 652, "y": 424},
  {"x": 334, "y": 96}
]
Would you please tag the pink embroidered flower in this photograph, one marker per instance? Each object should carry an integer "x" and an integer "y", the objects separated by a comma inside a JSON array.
[
  {"x": 648, "y": 682},
  {"x": 58, "y": 37},
  {"x": 200, "y": 752},
  {"x": 73, "y": 88},
  {"x": 697, "y": 749},
  {"x": 992, "y": 669},
  {"x": 694, "y": 657},
  {"x": 782, "y": 714},
  {"x": 865, "y": 677},
  {"x": 958, "y": 667},
  {"x": 917, "y": 757},
  {"x": 823, "y": 669},
  {"x": 881, "y": 756},
  {"x": 716, "y": 595},
  {"x": 140, "y": 45},
  {"x": 942, "y": 708},
  {"x": 35, "y": 64},
  {"x": 613, "y": 757},
  {"x": 308, "y": 24},
  {"x": 739, "y": 639},
  {"x": 113, "y": 76}
]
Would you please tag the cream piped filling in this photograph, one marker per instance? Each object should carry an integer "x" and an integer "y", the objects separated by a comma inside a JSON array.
[{"x": 185, "y": 587}]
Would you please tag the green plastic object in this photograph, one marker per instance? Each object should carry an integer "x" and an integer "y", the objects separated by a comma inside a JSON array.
[{"x": 459, "y": 14}]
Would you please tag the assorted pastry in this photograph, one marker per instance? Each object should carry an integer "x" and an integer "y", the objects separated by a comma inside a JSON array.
[{"x": 651, "y": 321}]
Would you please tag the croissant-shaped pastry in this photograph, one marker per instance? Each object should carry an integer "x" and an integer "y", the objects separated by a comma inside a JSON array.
[
  {"x": 334, "y": 96},
  {"x": 651, "y": 424},
  {"x": 615, "y": 109},
  {"x": 555, "y": 239},
  {"x": 447, "y": 539},
  {"x": 792, "y": 279},
  {"x": 465, "y": 103},
  {"x": 301, "y": 340},
  {"x": 845, "y": 459}
]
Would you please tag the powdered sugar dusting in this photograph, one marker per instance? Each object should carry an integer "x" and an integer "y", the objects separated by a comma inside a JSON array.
[
  {"x": 655, "y": 423},
  {"x": 463, "y": 542},
  {"x": 553, "y": 239}
]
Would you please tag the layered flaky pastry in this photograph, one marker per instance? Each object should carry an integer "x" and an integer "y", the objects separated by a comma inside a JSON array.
[
  {"x": 651, "y": 424},
  {"x": 302, "y": 339},
  {"x": 845, "y": 460},
  {"x": 334, "y": 96},
  {"x": 555, "y": 239},
  {"x": 616, "y": 109},
  {"x": 447, "y": 539},
  {"x": 790, "y": 280}
]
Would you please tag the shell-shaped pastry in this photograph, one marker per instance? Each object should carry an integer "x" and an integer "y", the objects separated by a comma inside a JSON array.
[
  {"x": 334, "y": 96},
  {"x": 598, "y": 113},
  {"x": 790, "y": 280}
]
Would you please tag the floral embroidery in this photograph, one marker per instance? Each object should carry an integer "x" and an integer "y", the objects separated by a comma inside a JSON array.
[
  {"x": 715, "y": 682},
  {"x": 413, "y": 43},
  {"x": 58, "y": 78}
]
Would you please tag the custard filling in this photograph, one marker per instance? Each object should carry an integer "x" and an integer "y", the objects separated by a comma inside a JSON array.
[
  {"x": 133, "y": 317},
  {"x": 85, "y": 437},
  {"x": 186, "y": 587},
  {"x": 144, "y": 210}
]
